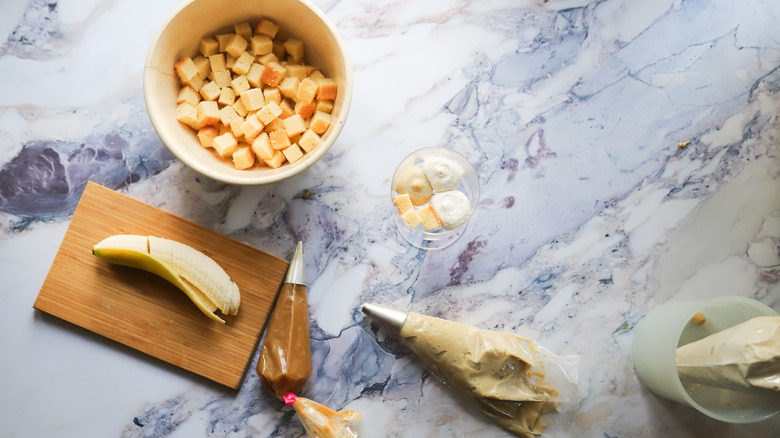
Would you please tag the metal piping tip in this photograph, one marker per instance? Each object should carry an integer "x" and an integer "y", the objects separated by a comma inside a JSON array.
[
  {"x": 295, "y": 271},
  {"x": 389, "y": 319}
]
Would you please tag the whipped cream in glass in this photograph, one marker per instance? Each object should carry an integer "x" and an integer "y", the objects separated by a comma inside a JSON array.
[{"x": 435, "y": 191}]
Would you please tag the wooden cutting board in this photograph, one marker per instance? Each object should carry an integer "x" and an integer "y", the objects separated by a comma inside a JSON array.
[{"x": 143, "y": 311}]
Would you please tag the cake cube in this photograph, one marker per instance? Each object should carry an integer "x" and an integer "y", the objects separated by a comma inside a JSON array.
[
  {"x": 279, "y": 139},
  {"x": 268, "y": 57},
  {"x": 305, "y": 110},
  {"x": 273, "y": 73},
  {"x": 297, "y": 71},
  {"x": 292, "y": 153},
  {"x": 203, "y": 65},
  {"x": 226, "y": 114},
  {"x": 253, "y": 99},
  {"x": 235, "y": 127},
  {"x": 208, "y": 46},
  {"x": 223, "y": 39},
  {"x": 243, "y": 63},
  {"x": 325, "y": 106},
  {"x": 294, "y": 48},
  {"x": 289, "y": 60},
  {"x": 252, "y": 126},
  {"x": 267, "y": 28},
  {"x": 206, "y": 135},
  {"x": 208, "y": 112},
  {"x": 254, "y": 74},
  {"x": 315, "y": 74},
  {"x": 243, "y": 157},
  {"x": 186, "y": 71},
  {"x": 217, "y": 62},
  {"x": 225, "y": 144},
  {"x": 261, "y": 45},
  {"x": 197, "y": 82},
  {"x": 430, "y": 219},
  {"x": 187, "y": 114},
  {"x": 276, "y": 160},
  {"x": 309, "y": 140},
  {"x": 222, "y": 78},
  {"x": 230, "y": 61},
  {"x": 294, "y": 125},
  {"x": 272, "y": 94},
  {"x": 188, "y": 94},
  {"x": 295, "y": 138},
  {"x": 320, "y": 122},
  {"x": 236, "y": 45},
  {"x": 287, "y": 108},
  {"x": 289, "y": 87},
  {"x": 403, "y": 203},
  {"x": 243, "y": 29},
  {"x": 227, "y": 96},
  {"x": 278, "y": 50},
  {"x": 412, "y": 218},
  {"x": 240, "y": 84},
  {"x": 276, "y": 124},
  {"x": 328, "y": 89},
  {"x": 210, "y": 91},
  {"x": 307, "y": 90},
  {"x": 269, "y": 112},
  {"x": 239, "y": 108},
  {"x": 261, "y": 146}
]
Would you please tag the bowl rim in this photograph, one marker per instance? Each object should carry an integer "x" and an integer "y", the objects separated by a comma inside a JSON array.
[{"x": 261, "y": 178}]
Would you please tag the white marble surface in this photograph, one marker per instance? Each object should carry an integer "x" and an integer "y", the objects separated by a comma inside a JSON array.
[{"x": 590, "y": 214}]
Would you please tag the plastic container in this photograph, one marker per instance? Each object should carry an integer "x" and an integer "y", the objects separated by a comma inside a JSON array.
[
  {"x": 438, "y": 238},
  {"x": 657, "y": 337}
]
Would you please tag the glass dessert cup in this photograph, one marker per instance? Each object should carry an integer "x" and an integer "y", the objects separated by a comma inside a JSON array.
[
  {"x": 439, "y": 237},
  {"x": 662, "y": 331}
]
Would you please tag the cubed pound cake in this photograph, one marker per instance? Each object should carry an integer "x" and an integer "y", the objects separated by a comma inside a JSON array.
[{"x": 430, "y": 220}]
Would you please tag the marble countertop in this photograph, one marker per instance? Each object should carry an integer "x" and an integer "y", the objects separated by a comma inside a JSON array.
[{"x": 590, "y": 214}]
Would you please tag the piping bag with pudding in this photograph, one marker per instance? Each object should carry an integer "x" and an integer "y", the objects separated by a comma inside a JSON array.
[
  {"x": 744, "y": 357},
  {"x": 509, "y": 378},
  {"x": 284, "y": 364}
]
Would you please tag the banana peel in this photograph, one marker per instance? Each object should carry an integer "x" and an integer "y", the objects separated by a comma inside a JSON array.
[{"x": 204, "y": 282}]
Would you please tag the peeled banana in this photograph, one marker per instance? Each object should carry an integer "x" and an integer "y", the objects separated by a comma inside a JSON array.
[{"x": 196, "y": 274}]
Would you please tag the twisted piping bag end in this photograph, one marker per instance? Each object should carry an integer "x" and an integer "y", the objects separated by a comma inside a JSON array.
[
  {"x": 389, "y": 319},
  {"x": 289, "y": 399}
]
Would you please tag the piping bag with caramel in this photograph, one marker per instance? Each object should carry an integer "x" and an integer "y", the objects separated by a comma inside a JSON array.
[
  {"x": 285, "y": 356},
  {"x": 502, "y": 373},
  {"x": 284, "y": 364}
]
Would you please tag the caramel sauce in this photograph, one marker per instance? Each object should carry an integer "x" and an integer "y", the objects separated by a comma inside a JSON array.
[{"x": 285, "y": 356}]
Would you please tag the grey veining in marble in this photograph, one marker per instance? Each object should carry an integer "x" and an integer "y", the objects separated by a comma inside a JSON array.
[{"x": 45, "y": 180}]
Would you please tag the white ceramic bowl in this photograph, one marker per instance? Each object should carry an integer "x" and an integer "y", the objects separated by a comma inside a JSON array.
[{"x": 180, "y": 36}]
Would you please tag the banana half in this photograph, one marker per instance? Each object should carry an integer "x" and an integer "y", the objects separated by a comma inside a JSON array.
[{"x": 196, "y": 274}]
